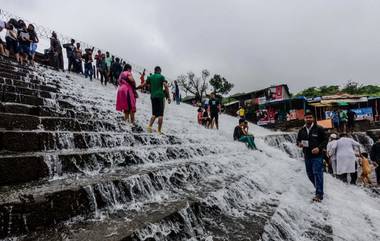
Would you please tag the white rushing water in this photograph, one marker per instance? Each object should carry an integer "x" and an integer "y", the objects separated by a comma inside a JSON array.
[{"x": 352, "y": 212}]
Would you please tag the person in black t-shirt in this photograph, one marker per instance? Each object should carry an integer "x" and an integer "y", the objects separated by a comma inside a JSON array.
[
  {"x": 87, "y": 57},
  {"x": 33, "y": 42},
  {"x": 70, "y": 54},
  {"x": 214, "y": 109},
  {"x": 351, "y": 115},
  {"x": 23, "y": 43},
  {"x": 116, "y": 70},
  {"x": 241, "y": 134}
]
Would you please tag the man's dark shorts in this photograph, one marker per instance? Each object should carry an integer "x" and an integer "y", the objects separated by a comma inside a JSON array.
[
  {"x": 214, "y": 116},
  {"x": 157, "y": 106}
]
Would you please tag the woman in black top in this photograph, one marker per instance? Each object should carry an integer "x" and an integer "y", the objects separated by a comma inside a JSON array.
[{"x": 33, "y": 42}]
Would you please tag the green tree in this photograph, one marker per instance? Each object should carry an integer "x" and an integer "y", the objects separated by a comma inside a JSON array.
[
  {"x": 220, "y": 85},
  {"x": 309, "y": 92},
  {"x": 351, "y": 87}
]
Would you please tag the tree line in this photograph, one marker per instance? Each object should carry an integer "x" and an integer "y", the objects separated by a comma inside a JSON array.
[{"x": 351, "y": 87}]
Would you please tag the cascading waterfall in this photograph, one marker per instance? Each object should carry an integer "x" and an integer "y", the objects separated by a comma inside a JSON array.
[{"x": 96, "y": 178}]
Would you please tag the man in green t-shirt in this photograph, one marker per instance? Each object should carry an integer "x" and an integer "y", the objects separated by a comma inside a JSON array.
[{"x": 157, "y": 83}]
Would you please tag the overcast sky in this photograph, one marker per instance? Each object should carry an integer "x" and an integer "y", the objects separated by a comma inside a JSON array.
[{"x": 252, "y": 43}]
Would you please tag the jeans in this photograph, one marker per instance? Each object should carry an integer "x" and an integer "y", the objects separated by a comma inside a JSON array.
[
  {"x": 88, "y": 70},
  {"x": 250, "y": 140},
  {"x": 314, "y": 170}
]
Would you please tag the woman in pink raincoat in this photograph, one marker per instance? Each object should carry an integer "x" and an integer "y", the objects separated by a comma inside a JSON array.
[{"x": 126, "y": 94}]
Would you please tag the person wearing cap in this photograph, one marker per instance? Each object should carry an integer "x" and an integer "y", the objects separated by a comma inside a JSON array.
[
  {"x": 312, "y": 139},
  {"x": 331, "y": 152}
]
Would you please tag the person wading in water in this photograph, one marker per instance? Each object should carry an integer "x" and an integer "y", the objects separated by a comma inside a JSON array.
[
  {"x": 313, "y": 139},
  {"x": 157, "y": 84}
]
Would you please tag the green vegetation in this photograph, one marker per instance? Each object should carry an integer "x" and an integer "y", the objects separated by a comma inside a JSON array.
[
  {"x": 351, "y": 87},
  {"x": 199, "y": 86}
]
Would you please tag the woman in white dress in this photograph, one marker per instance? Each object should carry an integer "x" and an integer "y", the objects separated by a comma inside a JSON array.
[{"x": 346, "y": 158}]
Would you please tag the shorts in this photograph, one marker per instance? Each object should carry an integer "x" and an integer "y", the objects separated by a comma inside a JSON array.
[
  {"x": 157, "y": 106},
  {"x": 24, "y": 48},
  {"x": 214, "y": 116},
  {"x": 12, "y": 45},
  {"x": 32, "y": 48}
]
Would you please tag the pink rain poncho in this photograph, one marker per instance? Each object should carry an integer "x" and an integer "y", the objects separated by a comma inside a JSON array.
[{"x": 126, "y": 98}]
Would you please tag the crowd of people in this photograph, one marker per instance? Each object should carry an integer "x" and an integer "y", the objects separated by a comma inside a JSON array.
[
  {"x": 20, "y": 40},
  {"x": 341, "y": 154},
  {"x": 208, "y": 115},
  {"x": 343, "y": 120}
]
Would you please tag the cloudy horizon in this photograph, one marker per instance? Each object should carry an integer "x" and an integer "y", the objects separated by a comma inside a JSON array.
[{"x": 254, "y": 44}]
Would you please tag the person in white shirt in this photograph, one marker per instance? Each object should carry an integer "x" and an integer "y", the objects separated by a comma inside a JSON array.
[
  {"x": 3, "y": 25},
  {"x": 331, "y": 152},
  {"x": 346, "y": 158}
]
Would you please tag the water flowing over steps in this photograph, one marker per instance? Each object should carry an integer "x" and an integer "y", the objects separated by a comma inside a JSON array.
[
  {"x": 72, "y": 169},
  {"x": 63, "y": 159}
]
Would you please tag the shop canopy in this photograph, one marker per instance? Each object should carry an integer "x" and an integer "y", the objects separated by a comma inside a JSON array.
[{"x": 339, "y": 102}]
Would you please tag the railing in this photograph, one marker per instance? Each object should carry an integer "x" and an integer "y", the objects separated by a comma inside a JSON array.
[{"x": 45, "y": 33}]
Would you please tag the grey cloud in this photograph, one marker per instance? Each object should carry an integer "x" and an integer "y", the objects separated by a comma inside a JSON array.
[{"x": 253, "y": 43}]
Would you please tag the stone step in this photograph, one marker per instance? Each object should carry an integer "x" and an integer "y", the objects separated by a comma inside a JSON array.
[
  {"x": 185, "y": 218},
  {"x": 14, "y": 71},
  {"x": 14, "y": 76},
  {"x": 22, "y": 168},
  {"x": 22, "y": 99},
  {"x": 40, "y": 111},
  {"x": 42, "y": 86},
  {"x": 12, "y": 63},
  {"x": 24, "y": 91},
  {"x": 28, "y": 122},
  {"x": 29, "y": 208},
  {"x": 116, "y": 227},
  {"x": 31, "y": 141}
]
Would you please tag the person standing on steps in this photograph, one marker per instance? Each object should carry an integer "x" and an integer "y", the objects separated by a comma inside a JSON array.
[
  {"x": 33, "y": 42},
  {"x": 346, "y": 158},
  {"x": 87, "y": 57},
  {"x": 103, "y": 70},
  {"x": 23, "y": 43},
  {"x": 142, "y": 80},
  {"x": 351, "y": 117},
  {"x": 3, "y": 25},
  {"x": 313, "y": 139},
  {"x": 70, "y": 54},
  {"x": 343, "y": 119},
  {"x": 331, "y": 152},
  {"x": 176, "y": 93},
  {"x": 375, "y": 157},
  {"x": 126, "y": 94},
  {"x": 98, "y": 58},
  {"x": 116, "y": 70},
  {"x": 109, "y": 63},
  {"x": 56, "y": 50},
  {"x": 157, "y": 84},
  {"x": 241, "y": 112},
  {"x": 214, "y": 109},
  {"x": 78, "y": 59}
]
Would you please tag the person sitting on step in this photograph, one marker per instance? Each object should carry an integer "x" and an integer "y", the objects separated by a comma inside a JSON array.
[{"x": 241, "y": 134}]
